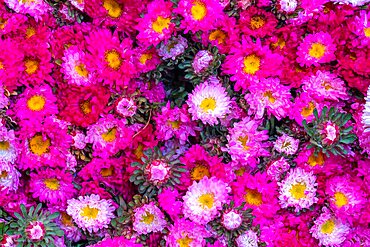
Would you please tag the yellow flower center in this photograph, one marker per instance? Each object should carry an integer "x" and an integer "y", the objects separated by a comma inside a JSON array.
[
  {"x": 90, "y": 213},
  {"x": 2, "y": 23},
  {"x": 110, "y": 135},
  {"x": 206, "y": 200},
  {"x": 66, "y": 219},
  {"x": 36, "y": 103},
  {"x": 308, "y": 111},
  {"x": 218, "y": 35},
  {"x": 314, "y": 160},
  {"x": 1, "y": 65},
  {"x": 85, "y": 107},
  {"x": 251, "y": 64},
  {"x": 253, "y": 197},
  {"x": 3, "y": 174},
  {"x": 31, "y": 66},
  {"x": 208, "y": 104},
  {"x": 113, "y": 58},
  {"x": 198, "y": 10},
  {"x": 257, "y": 22},
  {"x": 340, "y": 199},
  {"x": 240, "y": 172},
  {"x": 52, "y": 183},
  {"x": 280, "y": 43},
  {"x": 199, "y": 171},
  {"x": 184, "y": 242},
  {"x": 145, "y": 57},
  {"x": 107, "y": 172},
  {"x": 4, "y": 145},
  {"x": 148, "y": 218},
  {"x": 38, "y": 145},
  {"x": 328, "y": 227},
  {"x": 244, "y": 140},
  {"x": 327, "y": 85},
  {"x": 174, "y": 124},
  {"x": 81, "y": 70},
  {"x": 139, "y": 151},
  {"x": 297, "y": 191},
  {"x": 113, "y": 8},
  {"x": 30, "y": 32},
  {"x": 161, "y": 23},
  {"x": 317, "y": 50},
  {"x": 268, "y": 95},
  {"x": 367, "y": 31}
]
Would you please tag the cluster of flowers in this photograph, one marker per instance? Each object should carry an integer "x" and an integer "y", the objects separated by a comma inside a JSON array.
[{"x": 184, "y": 123}]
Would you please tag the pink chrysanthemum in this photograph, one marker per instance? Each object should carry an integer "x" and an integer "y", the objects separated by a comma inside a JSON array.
[
  {"x": 258, "y": 193},
  {"x": 74, "y": 67},
  {"x": 361, "y": 27},
  {"x": 174, "y": 122},
  {"x": 116, "y": 241},
  {"x": 269, "y": 94},
  {"x": 53, "y": 186},
  {"x": 36, "y": 103},
  {"x": 112, "y": 59},
  {"x": 298, "y": 189},
  {"x": 277, "y": 168},
  {"x": 156, "y": 25},
  {"x": 91, "y": 213},
  {"x": 71, "y": 231},
  {"x": 148, "y": 218},
  {"x": 324, "y": 85},
  {"x": 209, "y": 102},
  {"x": 108, "y": 136},
  {"x": 246, "y": 143},
  {"x": 8, "y": 145},
  {"x": 169, "y": 201},
  {"x": 4, "y": 101},
  {"x": 126, "y": 107},
  {"x": 257, "y": 22},
  {"x": 44, "y": 144},
  {"x": 198, "y": 14},
  {"x": 35, "y": 8},
  {"x": 315, "y": 49},
  {"x": 248, "y": 62},
  {"x": 173, "y": 48},
  {"x": 247, "y": 239},
  {"x": 146, "y": 59},
  {"x": 154, "y": 92},
  {"x": 9, "y": 177},
  {"x": 186, "y": 233},
  {"x": 201, "y": 61},
  {"x": 11, "y": 62},
  {"x": 304, "y": 106},
  {"x": 204, "y": 199},
  {"x": 286, "y": 144},
  {"x": 329, "y": 230}
]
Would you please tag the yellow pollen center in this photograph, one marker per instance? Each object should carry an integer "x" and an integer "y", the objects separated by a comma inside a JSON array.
[
  {"x": 107, "y": 172},
  {"x": 208, "y": 104},
  {"x": 52, "y": 183},
  {"x": 199, "y": 171},
  {"x": 66, "y": 219},
  {"x": 90, "y": 213},
  {"x": 81, "y": 70},
  {"x": 38, "y": 145},
  {"x": 240, "y": 172},
  {"x": 139, "y": 151},
  {"x": 314, "y": 160},
  {"x": 113, "y": 8},
  {"x": 110, "y": 135},
  {"x": 85, "y": 107},
  {"x": 1, "y": 65},
  {"x": 145, "y": 57},
  {"x": 257, "y": 22},
  {"x": 253, "y": 197},
  {"x": 2, "y": 23},
  {"x": 327, "y": 85},
  {"x": 30, "y": 32},
  {"x": 280, "y": 43},
  {"x": 251, "y": 64},
  {"x": 206, "y": 200},
  {"x": 367, "y": 31},
  {"x": 317, "y": 50},
  {"x": 148, "y": 218},
  {"x": 113, "y": 58},
  {"x": 340, "y": 199},
  {"x": 269, "y": 96},
  {"x": 328, "y": 227},
  {"x": 184, "y": 242},
  {"x": 298, "y": 191},
  {"x": 198, "y": 10},
  {"x": 218, "y": 35},
  {"x": 3, "y": 174},
  {"x": 36, "y": 103},
  {"x": 308, "y": 111},
  {"x": 31, "y": 66},
  {"x": 4, "y": 145},
  {"x": 244, "y": 141},
  {"x": 174, "y": 124},
  {"x": 161, "y": 23}
]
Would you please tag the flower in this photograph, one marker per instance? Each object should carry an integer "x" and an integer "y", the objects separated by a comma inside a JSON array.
[
  {"x": 231, "y": 220},
  {"x": 329, "y": 230},
  {"x": 53, "y": 186},
  {"x": 276, "y": 168},
  {"x": 315, "y": 49},
  {"x": 172, "y": 48},
  {"x": 11, "y": 62},
  {"x": 247, "y": 239},
  {"x": 257, "y": 22},
  {"x": 286, "y": 144},
  {"x": 169, "y": 201},
  {"x": 201, "y": 61},
  {"x": 9, "y": 177},
  {"x": 366, "y": 113},
  {"x": 126, "y": 107},
  {"x": 148, "y": 218},
  {"x": 8, "y": 145},
  {"x": 35, "y": 8},
  {"x": 116, "y": 241},
  {"x": 204, "y": 198},
  {"x": 35, "y": 231},
  {"x": 304, "y": 106},
  {"x": 91, "y": 213},
  {"x": 209, "y": 101},
  {"x": 298, "y": 189}
]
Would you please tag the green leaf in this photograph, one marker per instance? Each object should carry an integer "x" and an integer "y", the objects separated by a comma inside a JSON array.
[
  {"x": 348, "y": 139},
  {"x": 23, "y": 210},
  {"x": 54, "y": 215}
]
